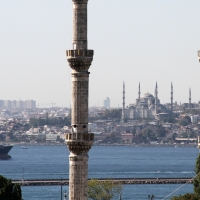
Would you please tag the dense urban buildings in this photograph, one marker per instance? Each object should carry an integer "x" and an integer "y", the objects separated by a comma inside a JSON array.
[{"x": 18, "y": 104}]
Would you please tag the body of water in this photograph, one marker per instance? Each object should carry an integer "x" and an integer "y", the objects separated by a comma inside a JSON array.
[{"x": 51, "y": 162}]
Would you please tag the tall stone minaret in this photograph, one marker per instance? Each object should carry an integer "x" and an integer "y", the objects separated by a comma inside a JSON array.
[
  {"x": 123, "y": 103},
  {"x": 156, "y": 99},
  {"x": 190, "y": 99},
  {"x": 80, "y": 140},
  {"x": 139, "y": 91},
  {"x": 171, "y": 98}
]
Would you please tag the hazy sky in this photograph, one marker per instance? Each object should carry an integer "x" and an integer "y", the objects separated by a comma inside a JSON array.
[{"x": 133, "y": 40}]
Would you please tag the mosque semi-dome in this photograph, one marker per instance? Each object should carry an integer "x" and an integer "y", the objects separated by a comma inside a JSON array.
[{"x": 147, "y": 95}]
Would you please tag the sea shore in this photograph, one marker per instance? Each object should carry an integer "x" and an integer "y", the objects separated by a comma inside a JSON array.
[{"x": 115, "y": 144}]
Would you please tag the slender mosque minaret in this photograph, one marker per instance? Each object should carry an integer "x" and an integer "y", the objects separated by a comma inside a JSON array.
[
  {"x": 80, "y": 140},
  {"x": 171, "y": 98},
  {"x": 123, "y": 103},
  {"x": 139, "y": 91},
  {"x": 156, "y": 99},
  {"x": 190, "y": 99}
]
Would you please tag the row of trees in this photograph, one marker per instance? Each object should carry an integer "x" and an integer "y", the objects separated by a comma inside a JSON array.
[
  {"x": 108, "y": 114},
  {"x": 56, "y": 121}
]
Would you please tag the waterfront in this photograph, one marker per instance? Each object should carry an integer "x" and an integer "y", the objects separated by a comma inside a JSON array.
[
  {"x": 49, "y": 162},
  {"x": 130, "y": 192}
]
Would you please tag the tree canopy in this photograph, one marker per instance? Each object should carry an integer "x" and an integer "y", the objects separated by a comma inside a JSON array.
[
  {"x": 196, "y": 184},
  {"x": 103, "y": 190},
  {"x": 49, "y": 121},
  {"x": 196, "y": 181},
  {"x": 185, "y": 197},
  {"x": 9, "y": 190}
]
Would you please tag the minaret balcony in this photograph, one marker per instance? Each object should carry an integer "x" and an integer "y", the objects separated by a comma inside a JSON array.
[
  {"x": 86, "y": 137},
  {"x": 80, "y": 60},
  {"x": 79, "y": 53}
]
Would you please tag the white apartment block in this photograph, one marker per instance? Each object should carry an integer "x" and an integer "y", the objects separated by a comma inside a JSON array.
[{"x": 19, "y": 104}]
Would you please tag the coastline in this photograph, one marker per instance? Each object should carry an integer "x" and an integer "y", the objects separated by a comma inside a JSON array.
[{"x": 115, "y": 144}]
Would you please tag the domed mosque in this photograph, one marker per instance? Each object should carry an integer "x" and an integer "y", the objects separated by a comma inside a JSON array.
[{"x": 146, "y": 106}]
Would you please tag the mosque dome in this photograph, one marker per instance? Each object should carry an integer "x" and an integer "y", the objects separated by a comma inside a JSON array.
[{"x": 147, "y": 95}]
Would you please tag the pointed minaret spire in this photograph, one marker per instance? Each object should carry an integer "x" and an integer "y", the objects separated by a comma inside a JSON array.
[
  {"x": 156, "y": 91},
  {"x": 139, "y": 91},
  {"x": 172, "y": 98},
  {"x": 190, "y": 99},
  {"x": 156, "y": 98},
  {"x": 123, "y": 103}
]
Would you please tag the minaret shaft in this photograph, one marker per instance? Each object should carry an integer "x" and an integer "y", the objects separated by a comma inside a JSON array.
[
  {"x": 79, "y": 141},
  {"x": 139, "y": 92},
  {"x": 156, "y": 99},
  {"x": 123, "y": 103},
  {"x": 80, "y": 24},
  {"x": 190, "y": 99},
  {"x": 171, "y": 98}
]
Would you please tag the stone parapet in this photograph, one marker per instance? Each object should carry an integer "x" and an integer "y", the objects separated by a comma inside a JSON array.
[
  {"x": 80, "y": 137},
  {"x": 80, "y": 60},
  {"x": 79, "y": 148},
  {"x": 79, "y": 53},
  {"x": 79, "y": 143}
]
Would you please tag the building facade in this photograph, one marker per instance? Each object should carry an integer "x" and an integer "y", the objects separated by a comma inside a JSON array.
[{"x": 106, "y": 102}]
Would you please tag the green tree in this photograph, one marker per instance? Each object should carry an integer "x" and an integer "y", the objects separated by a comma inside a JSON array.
[
  {"x": 114, "y": 113},
  {"x": 169, "y": 120},
  {"x": 8, "y": 190},
  {"x": 183, "y": 122},
  {"x": 112, "y": 138},
  {"x": 188, "y": 119},
  {"x": 133, "y": 131},
  {"x": 103, "y": 190},
  {"x": 196, "y": 184},
  {"x": 185, "y": 197},
  {"x": 161, "y": 131}
]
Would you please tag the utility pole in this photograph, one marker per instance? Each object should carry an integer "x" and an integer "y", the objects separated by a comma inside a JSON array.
[
  {"x": 61, "y": 190},
  {"x": 23, "y": 175}
]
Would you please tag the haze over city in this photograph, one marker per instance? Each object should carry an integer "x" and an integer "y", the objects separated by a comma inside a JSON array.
[{"x": 134, "y": 41}]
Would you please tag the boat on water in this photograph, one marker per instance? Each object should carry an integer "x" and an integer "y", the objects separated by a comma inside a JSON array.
[
  {"x": 4, "y": 149},
  {"x": 24, "y": 147}
]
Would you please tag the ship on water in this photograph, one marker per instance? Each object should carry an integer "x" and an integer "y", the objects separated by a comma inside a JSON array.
[{"x": 4, "y": 149}]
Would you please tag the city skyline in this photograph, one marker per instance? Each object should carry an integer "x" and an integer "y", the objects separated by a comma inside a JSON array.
[{"x": 145, "y": 42}]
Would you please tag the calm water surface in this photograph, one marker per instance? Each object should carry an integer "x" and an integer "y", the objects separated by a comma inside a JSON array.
[
  {"x": 105, "y": 162},
  {"x": 130, "y": 192}
]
